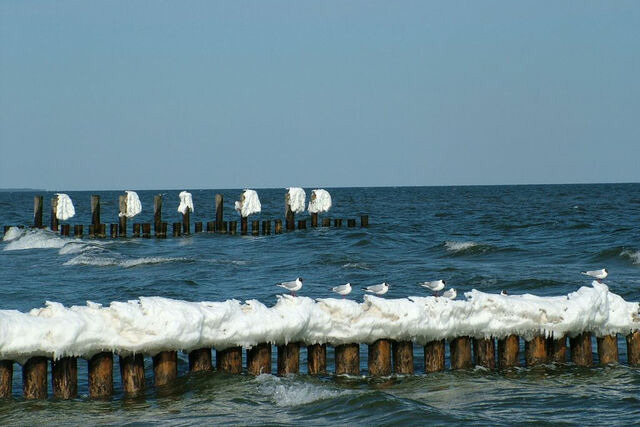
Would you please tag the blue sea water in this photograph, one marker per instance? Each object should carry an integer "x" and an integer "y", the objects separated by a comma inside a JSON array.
[{"x": 526, "y": 239}]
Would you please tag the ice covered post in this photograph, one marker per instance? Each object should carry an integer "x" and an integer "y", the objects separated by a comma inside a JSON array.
[
  {"x": 347, "y": 359},
  {"x": 62, "y": 210},
  {"x": 130, "y": 206},
  {"x": 317, "y": 359},
  {"x": 320, "y": 201},
  {"x": 248, "y": 204},
  {"x": 185, "y": 208},
  {"x": 294, "y": 203},
  {"x": 6, "y": 378}
]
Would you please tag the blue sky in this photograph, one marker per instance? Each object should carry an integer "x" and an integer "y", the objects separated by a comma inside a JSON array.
[{"x": 156, "y": 94}]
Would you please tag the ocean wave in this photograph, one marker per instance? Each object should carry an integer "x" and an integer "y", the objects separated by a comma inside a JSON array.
[
  {"x": 287, "y": 392},
  {"x": 12, "y": 234},
  {"x": 36, "y": 239},
  {"x": 631, "y": 254},
  {"x": 619, "y": 252},
  {"x": 356, "y": 266},
  {"x": 459, "y": 246},
  {"x": 103, "y": 261},
  {"x": 473, "y": 248}
]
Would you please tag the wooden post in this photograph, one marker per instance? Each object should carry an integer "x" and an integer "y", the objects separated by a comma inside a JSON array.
[
  {"x": 165, "y": 226},
  {"x": 244, "y": 225},
  {"x": 255, "y": 228},
  {"x": 289, "y": 215},
  {"x": 317, "y": 359},
  {"x": 122, "y": 204},
  {"x": 219, "y": 213},
  {"x": 34, "y": 378},
  {"x": 633, "y": 348},
  {"x": 223, "y": 228},
  {"x": 233, "y": 227},
  {"x": 132, "y": 373},
  {"x": 229, "y": 360},
  {"x": 278, "y": 226},
  {"x": 186, "y": 222},
  {"x": 557, "y": 350},
  {"x": 302, "y": 224},
  {"x": 351, "y": 223},
  {"x": 581, "y": 353},
  {"x": 535, "y": 351},
  {"x": 508, "y": 352},
  {"x": 101, "y": 375},
  {"x": 460, "y": 351},
  {"x": 211, "y": 226},
  {"x": 102, "y": 233},
  {"x": 326, "y": 222},
  {"x": 37, "y": 211},
  {"x": 177, "y": 229},
  {"x": 136, "y": 229},
  {"x": 64, "y": 378},
  {"x": 113, "y": 228},
  {"x": 146, "y": 230},
  {"x": 165, "y": 367},
  {"x": 314, "y": 219},
  {"x": 484, "y": 351},
  {"x": 434, "y": 356},
  {"x": 266, "y": 227},
  {"x": 157, "y": 214},
  {"x": 200, "y": 360},
  {"x": 288, "y": 359},
  {"x": 95, "y": 213},
  {"x": 65, "y": 229},
  {"x": 54, "y": 214},
  {"x": 347, "y": 358},
  {"x": 259, "y": 359},
  {"x": 337, "y": 222},
  {"x": 608, "y": 349},
  {"x": 402, "y": 357},
  {"x": 364, "y": 220},
  {"x": 6, "y": 378},
  {"x": 198, "y": 227},
  {"x": 380, "y": 358},
  {"x": 78, "y": 230}
]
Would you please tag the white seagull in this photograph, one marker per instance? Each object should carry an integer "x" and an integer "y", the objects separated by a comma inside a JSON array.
[
  {"x": 292, "y": 286},
  {"x": 451, "y": 294},
  {"x": 342, "y": 289},
  {"x": 380, "y": 289},
  {"x": 597, "y": 274},
  {"x": 434, "y": 286}
]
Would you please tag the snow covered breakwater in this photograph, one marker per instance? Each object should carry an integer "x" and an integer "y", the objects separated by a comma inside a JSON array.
[{"x": 151, "y": 325}]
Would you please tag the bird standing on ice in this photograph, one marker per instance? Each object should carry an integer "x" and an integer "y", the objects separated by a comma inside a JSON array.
[
  {"x": 597, "y": 274},
  {"x": 380, "y": 289},
  {"x": 451, "y": 294},
  {"x": 292, "y": 286},
  {"x": 342, "y": 289},
  {"x": 434, "y": 286}
]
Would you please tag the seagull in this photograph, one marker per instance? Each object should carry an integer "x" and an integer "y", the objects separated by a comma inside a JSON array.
[
  {"x": 292, "y": 286},
  {"x": 597, "y": 274},
  {"x": 380, "y": 289},
  {"x": 451, "y": 294},
  {"x": 342, "y": 289},
  {"x": 434, "y": 286}
]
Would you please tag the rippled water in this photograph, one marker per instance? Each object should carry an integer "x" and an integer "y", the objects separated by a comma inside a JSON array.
[{"x": 533, "y": 239}]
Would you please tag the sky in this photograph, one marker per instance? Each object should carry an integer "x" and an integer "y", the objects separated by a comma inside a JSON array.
[{"x": 256, "y": 94}]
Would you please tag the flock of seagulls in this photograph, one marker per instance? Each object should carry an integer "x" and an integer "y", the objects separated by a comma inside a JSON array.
[{"x": 434, "y": 286}]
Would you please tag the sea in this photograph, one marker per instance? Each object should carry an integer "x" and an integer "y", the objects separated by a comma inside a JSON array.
[{"x": 524, "y": 239}]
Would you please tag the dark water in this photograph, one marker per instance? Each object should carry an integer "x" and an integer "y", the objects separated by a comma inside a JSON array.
[{"x": 533, "y": 239}]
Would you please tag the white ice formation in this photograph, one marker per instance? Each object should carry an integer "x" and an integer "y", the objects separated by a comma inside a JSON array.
[
  {"x": 185, "y": 202},
  {"x": 134, "y": 207},
  {"x": 64, "y": 209},
  {"x": 297, "y": 198},
  {"x": 320, "y": 201},
  {"x": 248, "y": 204}
]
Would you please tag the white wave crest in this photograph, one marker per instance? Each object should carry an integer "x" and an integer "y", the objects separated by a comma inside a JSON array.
[
  {"x": 102, "y": 261},
  {"x": 37, "y": 239},
  {"x": 458, "y": 246},
  {"x": 633, "y": 256},
  {"x": 287, "y": 392},
  {"x": 12, "y": 234},
  {"x": 356, "y": 265}
]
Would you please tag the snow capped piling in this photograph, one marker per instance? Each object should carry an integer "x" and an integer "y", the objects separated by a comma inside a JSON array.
[
  {"x": 248, "y": 204},
  {"x": 294, "y": 203},
  {"x": 185, "y": 208},
  {"x": 320, "y": 201}
]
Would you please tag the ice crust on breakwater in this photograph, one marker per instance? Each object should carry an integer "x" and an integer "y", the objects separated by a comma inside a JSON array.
[
  {"x": 320, "y": 201},
  {"x": 249, "y": 203},
  {"x": 64, "y": 209},
  {"x": 134, "y": 207},
  {"x": 297, "y": 198},
  {"x": 185, "y": 202},
  {"x": 153, "y": 324}
]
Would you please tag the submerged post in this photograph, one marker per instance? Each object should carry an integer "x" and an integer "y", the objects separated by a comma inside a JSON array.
[
  {"x": 259, "y": 359},
  {"x": 289, "y": 359},
  {"x": 508, "y": 352},
  {"x": 317, "y": 359},
  {"x": 278, "y": 226},
  {"x": 157, "y": 215},
  {"x": 78, "y": 230},
  {"x": 535, "y": 351},
  {"x": 581, "y": 353},
  {"x": 229, "y": 360},
  {"x": 460, "y": 350},
  {"x": 364, "y": 220},
  {"x": 326, "y": 222},
  {"x": 100, "y": 369},
  {"x": 54, "y": 214},
  {"x": 6, "y": 378},
  {"x": 146, "y": 230},
  {"x": 434, "y": 356},
  {"x": 402, "y": 357},
  {"x": 165, "y": 367},
  {"x": 608, "y": 349},
  {"x": 34, "y": 378},
  {"x": 64, "y": 378},
  {"x": 347, "y": 358},
  {"x": 132, "y": 373},
  {"x": 484, "y": 351},
  {"x": 380, "y": 358},
  {"x": 122, "y": 204},
  {"x": 219, "y": 213},
  {"x": 200, "y": 360},
  {"x": 37, "y": 211}
]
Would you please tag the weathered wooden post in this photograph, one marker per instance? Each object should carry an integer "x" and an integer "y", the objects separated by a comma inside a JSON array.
[
  {"x": 244, "y": 225},
  {"x": 581, "y": 353},
  {"x": 460, "y": 351},
  {"x": 288, "y": 358},
  {"x": 78, "y": 230},
  {"x": 314, "y": 219},
  {"x": 259, "y": 359},
  {"x": 233, "y": 227},
  {"x": 289, "y": 214},
  {"x": 633, "y": 348},
  {"x": 326, "y": 222},
  {"x": 219, "y": 212},
  {"x": 535, "y": 351},
  {"x": 347, "y": 358},
  {"x": 122, "y": 216},
  {"x": 402, "y": 357},
  {"x": 64, "y": 378},
  {"x": 37, "y": 211},
  {"x": 229, "y": 360},
  {"x": 484, "y": 351},
  {"x": 34, "y": 378},
  {"x": 255, "y": 228},
  {"x": 351, "y": 223},
  {"x": 223, "y": 227},
  {"x": 302, "y": 224},
  {"x": 6, "y": 378},
  {"x": 102, "y": 233},
  {"x": 557, "y": 349},
  {"x": 364, "y": 220},
  {"x": 434, "y": 356},
  {"x": 136, "y": 229},
  {"x": 177, "y": 229},
  {"x": 113, "y": 228},
  {"x": 132, "y": 373},
  {"x": 337, "y": 222},
  {"x": 100, "y": 370},
  {"x": 608, "y": 349},
  {"x": 266, "y": 227},
  {"x": 165, "y": 367},
  {"x": 211, "y": 226},
  {"x": 278, "y": 226},
  {"x": 200, "y": 360},
  {"x": 380, "y": 358},
  {"x": 186, "y": 221},
  {"x": 198, "y": 227},
  {"x": 54, "y": 214},
  {"x": 65, "y": 229},
  {"x": 165, "y": 226},
  {"x": 146, "y": 230},
  {"x": 508, "y": 352},
  {"x": 95, "y": 215},
  {"x": 317, "y": 359},
  {"x": 157, "y": 215}
]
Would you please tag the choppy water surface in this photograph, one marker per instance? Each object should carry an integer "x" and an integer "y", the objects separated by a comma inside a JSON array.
[{"x": 532, "y": 239}]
